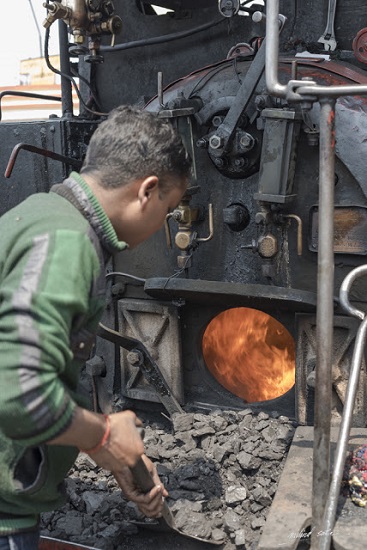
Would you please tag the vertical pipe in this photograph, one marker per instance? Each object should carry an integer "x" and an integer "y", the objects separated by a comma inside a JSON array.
[
  {"x": 324, "y": 318},
  {"x": 272, "y": 49},
  {"x": 66, "y": 89}
]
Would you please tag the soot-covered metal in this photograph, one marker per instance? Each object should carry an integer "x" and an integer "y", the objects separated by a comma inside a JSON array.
[
  {"x": 246, "y": 234},
  {"x": 249, "y": 300}
]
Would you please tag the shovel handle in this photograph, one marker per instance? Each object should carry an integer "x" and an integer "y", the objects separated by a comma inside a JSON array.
[
  {"x": 142, "y": 476},
  {"x": 145, "y": 482},
  {"x": 140, "y": 472}
]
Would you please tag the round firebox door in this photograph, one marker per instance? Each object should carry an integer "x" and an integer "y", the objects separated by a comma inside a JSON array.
[{"x": 250, "y": 353}]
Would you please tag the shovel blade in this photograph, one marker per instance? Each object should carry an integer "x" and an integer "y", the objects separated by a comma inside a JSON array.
[
  {"x": 161, "y": 526},
  {"x": 144, "y": 481}
]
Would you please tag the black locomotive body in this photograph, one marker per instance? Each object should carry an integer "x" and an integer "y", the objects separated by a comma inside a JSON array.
[{"x": 246, "y": 236}]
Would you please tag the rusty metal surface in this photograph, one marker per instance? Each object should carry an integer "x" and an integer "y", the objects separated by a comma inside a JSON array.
[
  {"x": 291, "y": 512},
  {"x": 360, "y": 45},
  {"x": 350, "y": 229},
  {"x": 354, "y": 74},
  {"x": 48, "y": 543}
]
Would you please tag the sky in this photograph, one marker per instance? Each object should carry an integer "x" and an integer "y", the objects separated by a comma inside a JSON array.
[{"x": 19, "y": 37}]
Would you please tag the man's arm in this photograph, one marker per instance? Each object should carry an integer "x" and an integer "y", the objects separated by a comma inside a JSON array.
[
  {"x": 121, "y": 450},
  {"x": 42, "y": 293}
]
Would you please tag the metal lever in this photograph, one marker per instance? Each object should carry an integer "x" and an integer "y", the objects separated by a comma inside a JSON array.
[
  {"x": 345, "y": 289},
  {"x": 146, "y": 364},
  {"x": 225, "y": 131},
  {"x": 299, "y": 231},
  {"x": 211, "y": 227},
  {"x": 45, "y": 152}
]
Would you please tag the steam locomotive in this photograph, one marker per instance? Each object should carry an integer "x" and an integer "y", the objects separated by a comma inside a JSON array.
[{"x": 222, "y": 304}]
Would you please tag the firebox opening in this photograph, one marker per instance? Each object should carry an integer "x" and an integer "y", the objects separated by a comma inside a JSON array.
[{"x": 250, "y": 353}]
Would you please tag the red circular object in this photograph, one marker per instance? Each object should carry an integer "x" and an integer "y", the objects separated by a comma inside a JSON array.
[{"x": 360, "y": 45}]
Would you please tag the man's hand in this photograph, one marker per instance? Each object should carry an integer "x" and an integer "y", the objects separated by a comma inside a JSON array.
[
  {"x": 122, "y": 450},
  {"x": 151, "y": 503},
  {"x": 124, "y": 446}
]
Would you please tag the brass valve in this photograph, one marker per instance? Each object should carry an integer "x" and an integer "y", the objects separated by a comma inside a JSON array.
[
  {"x": 186, "y": 239},
  {"x": 55, "y": 10},
  {"x": 185, "y": 216},
  {"x": 91, "y": 18}
]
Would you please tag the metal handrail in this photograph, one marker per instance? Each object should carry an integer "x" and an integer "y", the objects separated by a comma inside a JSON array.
[
  {"x": 294, "y": 89},
  {"x": 310, "y": 91},
  {"x": 350, "y": 395}
]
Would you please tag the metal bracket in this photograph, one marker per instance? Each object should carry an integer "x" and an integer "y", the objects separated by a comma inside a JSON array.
[{"x": 145, "y": 363}]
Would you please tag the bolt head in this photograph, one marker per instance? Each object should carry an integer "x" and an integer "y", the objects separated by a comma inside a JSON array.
[{"x": 215, "y": 142}]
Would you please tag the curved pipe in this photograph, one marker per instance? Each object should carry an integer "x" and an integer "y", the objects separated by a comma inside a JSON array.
[
  {"x": 345, "y": 289},
  {"x": 346, "y": 423},
  {"x": 272, "y": 49},
  {"x": 211, "y": 227},
  {"x": 299, "y": 231}
]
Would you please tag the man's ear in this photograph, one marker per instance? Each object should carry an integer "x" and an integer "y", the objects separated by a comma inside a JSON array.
[{"x": 146, "y": 189}]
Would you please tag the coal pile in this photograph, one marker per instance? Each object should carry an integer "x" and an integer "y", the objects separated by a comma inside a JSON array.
[{"x": 221, "y": 470}]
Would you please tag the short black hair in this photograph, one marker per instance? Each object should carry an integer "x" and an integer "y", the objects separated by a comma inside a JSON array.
[{"x": 133, "y": 144}]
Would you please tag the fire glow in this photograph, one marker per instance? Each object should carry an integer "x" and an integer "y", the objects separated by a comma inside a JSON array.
[{"x": 250, "y": 353}]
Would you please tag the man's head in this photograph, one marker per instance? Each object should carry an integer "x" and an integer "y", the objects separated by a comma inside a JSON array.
[
  {"x": 134, "y": 144},
  {"x": 138, "y": 168}
]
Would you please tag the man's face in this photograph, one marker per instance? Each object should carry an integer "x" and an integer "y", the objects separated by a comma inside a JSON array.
[{"x": 147, "y": 220}]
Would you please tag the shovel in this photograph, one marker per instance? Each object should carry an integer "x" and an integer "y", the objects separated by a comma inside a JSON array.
[{"x": 144, "y": 481}]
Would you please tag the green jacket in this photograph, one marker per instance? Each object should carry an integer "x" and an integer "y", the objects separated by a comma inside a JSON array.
[{"x": 52, "y": 296}]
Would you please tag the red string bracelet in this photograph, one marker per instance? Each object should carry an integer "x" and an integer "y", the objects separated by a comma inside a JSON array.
[{"x": 104, "y": 439}]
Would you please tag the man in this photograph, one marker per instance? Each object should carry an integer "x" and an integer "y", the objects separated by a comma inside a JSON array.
[{"x": 53, "y": 249}]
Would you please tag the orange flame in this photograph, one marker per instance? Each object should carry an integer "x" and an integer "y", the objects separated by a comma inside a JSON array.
[{"x": 250, "y": 353}]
